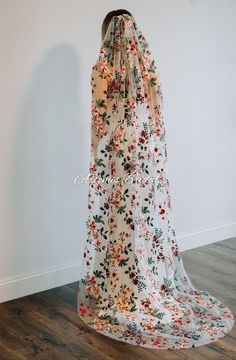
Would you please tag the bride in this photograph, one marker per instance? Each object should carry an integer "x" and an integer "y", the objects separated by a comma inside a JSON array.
[{"x": 134, "y": 287}]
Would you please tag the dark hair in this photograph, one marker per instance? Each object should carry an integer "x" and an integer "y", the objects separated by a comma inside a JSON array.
[{"x": 109, "y": 16}]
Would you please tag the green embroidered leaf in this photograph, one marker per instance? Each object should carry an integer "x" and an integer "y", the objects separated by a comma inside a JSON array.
[
  {"x": 121, "y": 209},
  {"x": 123, "y": 262},
  {"x": 98, "y": 219}
]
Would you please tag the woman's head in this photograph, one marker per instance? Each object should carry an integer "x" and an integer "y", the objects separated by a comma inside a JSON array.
[
  {"x": 109, "y": 16},
  {"x": 125, "y": 58},
  {"x": 126, "y": 62}
]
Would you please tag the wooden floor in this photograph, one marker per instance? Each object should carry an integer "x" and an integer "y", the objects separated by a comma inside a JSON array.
[{"x": 46, "y": 326}]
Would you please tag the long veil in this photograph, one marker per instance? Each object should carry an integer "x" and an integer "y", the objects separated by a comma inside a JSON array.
[{"x": 133, "y": 285}]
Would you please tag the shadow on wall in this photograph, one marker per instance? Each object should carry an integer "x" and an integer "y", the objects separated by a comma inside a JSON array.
[{"x": 49, "y": 142}]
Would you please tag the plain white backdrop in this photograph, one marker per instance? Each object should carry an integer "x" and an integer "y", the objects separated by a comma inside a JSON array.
[{"x": 47, "y": 50}]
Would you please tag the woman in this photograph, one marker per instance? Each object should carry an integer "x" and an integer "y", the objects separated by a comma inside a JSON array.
[{"x": 134, "y": 287}]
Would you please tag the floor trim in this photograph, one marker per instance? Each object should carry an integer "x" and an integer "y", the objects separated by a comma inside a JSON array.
[{"x": 27, "y": 284}]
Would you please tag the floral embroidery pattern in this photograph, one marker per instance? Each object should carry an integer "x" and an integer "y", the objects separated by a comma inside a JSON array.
[{"x": 134, "y": 287}]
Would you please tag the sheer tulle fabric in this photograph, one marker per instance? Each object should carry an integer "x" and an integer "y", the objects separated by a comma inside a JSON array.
[{"x": 133, "y": 285}]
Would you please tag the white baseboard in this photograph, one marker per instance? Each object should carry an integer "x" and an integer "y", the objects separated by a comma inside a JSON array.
[
  {"x": 28, "y": 284},
  {"x": 206, "y": 236},
  {"x": 32, "y": 283}
]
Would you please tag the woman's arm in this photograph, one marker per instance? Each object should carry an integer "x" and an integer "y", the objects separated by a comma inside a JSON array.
[
  {"x": 157, "y": 103},
  {"x": 99, "y": 107}
]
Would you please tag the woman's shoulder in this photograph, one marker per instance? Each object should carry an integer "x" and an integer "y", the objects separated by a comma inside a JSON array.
[{"x": 101, "y": 69}]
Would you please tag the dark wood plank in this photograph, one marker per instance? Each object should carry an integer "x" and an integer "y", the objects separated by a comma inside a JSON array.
[{"x": 46, "y": 325}]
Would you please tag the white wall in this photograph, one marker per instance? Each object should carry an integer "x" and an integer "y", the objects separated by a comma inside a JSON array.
[{"x": 46, "y": 53}]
